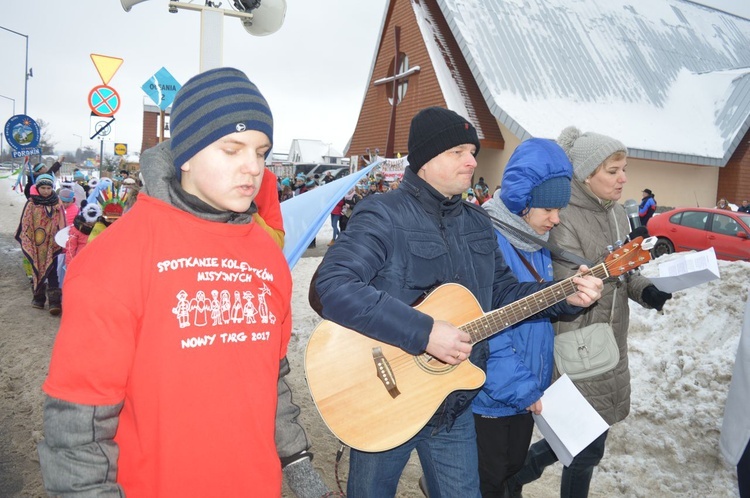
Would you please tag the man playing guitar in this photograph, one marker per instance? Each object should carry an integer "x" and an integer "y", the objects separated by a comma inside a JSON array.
[{"x": 399, "y": 246}]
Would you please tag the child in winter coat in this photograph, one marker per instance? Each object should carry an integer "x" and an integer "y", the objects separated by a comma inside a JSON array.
[{"x": 80, "y": 230}]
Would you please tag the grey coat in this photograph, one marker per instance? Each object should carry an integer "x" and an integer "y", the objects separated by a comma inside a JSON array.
[{"x": 587, "y": 227}]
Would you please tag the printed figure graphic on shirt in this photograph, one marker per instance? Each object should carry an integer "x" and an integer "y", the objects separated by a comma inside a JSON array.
[
  {"x": 200, "y": 305},
  {"x": 226, "y": 306},
  {"x": 215, "y": 308},
  {"x": 249, "y": 311},
  {"x": 182, "y": 309},
  {"x": 237, "y": 308},
  {"x": 262, "y": 306}
]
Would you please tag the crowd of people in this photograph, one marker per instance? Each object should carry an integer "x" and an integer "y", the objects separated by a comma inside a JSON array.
[
  {"x": 60, "y": 217},
  {"x": 179, "y": 388},
  {"x": 743, "y": 207}
]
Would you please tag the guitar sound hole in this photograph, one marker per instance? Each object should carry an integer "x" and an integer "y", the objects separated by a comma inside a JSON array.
[{"x": 432, "y": 365}]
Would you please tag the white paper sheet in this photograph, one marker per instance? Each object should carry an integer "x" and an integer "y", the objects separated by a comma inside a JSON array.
[
  {"x": 568, "y": 422},
  {"x": 687, "y": 271}
]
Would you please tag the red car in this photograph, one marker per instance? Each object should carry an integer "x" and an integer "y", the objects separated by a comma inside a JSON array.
[{"x": 687, "y": 229}]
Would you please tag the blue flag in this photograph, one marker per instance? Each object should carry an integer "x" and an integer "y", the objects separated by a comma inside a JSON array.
[{"x": 304, "y": 214}]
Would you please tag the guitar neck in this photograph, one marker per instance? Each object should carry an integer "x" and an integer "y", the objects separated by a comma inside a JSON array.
[{"x": 502, "y": 318}]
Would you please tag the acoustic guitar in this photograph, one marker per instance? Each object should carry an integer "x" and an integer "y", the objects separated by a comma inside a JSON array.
[{"x": 374, "y": 396}]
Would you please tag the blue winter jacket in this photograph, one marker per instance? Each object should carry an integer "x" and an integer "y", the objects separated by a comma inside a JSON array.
[
  {"x": 520, "y": 365},
  {"x": 400, "y": 245}
]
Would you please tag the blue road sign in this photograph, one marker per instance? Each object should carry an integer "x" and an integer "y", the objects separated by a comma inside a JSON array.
[
  {"x": 104, "y": 100},
  {"x": 161, "y": 87},
  {"x": 22, "y": 132},
  {"x": 26, "y": 151}
]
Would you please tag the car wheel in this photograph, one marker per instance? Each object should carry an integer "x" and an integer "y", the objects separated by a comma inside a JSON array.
[{"x": 663, "y": 246}]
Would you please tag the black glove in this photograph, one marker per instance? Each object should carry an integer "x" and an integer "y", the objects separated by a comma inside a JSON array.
[
  {"x": 638, "y": 232},
  {"x": 654, "y": 297}
]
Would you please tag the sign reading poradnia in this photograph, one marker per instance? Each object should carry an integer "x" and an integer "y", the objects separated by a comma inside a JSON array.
[
  {"x": 23, "y": 135},
  {"x": 121, "y": 149}
]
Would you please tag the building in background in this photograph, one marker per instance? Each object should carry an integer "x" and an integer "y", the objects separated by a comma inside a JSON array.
[{"x": 670, "y": 79}]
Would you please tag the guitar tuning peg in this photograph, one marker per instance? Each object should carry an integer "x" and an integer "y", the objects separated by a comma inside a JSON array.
[
  {"x": 610, "y": 248},
  {"x": 618, "y": 244}
]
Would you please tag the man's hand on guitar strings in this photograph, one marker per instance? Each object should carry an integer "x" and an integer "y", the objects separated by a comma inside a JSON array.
[
  {"x": 588, "y": 287},
  {"x": 448, "y": 344}
]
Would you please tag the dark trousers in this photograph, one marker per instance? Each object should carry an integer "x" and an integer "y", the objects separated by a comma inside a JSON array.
[
  {"x": 502, "y": 444},
  {"x": 576, "y": 478},
  {"x": 743, "y": 473}
]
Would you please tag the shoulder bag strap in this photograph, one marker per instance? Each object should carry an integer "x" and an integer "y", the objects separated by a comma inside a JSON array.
[{"x": 528, "y": 266}]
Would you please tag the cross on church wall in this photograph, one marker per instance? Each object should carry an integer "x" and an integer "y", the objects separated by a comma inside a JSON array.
[{"x": 398, "y": 78}]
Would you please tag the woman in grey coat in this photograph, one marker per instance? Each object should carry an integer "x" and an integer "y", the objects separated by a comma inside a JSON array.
[{"x": 592, "y": 221}]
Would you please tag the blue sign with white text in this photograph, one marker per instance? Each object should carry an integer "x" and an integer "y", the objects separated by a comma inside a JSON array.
[
  {"x": 162, "y": 87},
  {"x": 28, "y": 151}
]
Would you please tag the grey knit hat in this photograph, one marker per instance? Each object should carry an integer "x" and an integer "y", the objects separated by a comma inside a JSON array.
[
  {"x": 587, "y": 150},
  {"x": 212, "y": 105},
  {"x": 433, "y": 131}
]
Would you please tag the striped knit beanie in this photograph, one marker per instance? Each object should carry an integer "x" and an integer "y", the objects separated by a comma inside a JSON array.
[
  {"x": 212, "y": 105},
  {"x": 44, "y": 180}
]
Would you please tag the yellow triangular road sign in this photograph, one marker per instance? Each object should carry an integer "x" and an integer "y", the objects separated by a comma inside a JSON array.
[{"x": 106, "y": 66}]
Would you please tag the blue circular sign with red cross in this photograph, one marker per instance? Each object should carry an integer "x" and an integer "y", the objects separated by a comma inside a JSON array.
[{"x": 104, "y": 100}]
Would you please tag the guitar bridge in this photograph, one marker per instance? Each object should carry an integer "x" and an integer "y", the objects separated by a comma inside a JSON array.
[{"x": 384, "y": 372}]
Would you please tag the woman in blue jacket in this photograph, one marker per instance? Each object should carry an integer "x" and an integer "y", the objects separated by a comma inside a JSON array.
[
  {"x": 535, "y": 186},
  {"x": 647, "y": 208}
]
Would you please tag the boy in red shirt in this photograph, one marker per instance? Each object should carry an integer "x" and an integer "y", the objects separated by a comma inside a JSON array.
[{"x": 152, "y": 390}]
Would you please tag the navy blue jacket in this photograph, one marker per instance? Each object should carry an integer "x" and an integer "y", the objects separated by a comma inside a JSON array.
[{"x": 400, "y": 245}]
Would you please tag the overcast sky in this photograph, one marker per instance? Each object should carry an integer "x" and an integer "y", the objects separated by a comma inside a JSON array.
[{"x": 300, "y": 69}]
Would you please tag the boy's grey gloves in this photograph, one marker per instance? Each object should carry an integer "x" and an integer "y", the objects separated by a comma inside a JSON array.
[
  {"x": 301, "y": 476},
  {"x": 654, "y": 297}
]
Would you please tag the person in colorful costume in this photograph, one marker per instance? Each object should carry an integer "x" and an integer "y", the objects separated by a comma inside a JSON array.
[{"x": 42, "y": 217}]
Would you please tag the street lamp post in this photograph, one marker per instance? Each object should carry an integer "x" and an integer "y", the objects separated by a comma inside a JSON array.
[
  {"x": 1, "y": 131},
  {"x": 12, "y": 100},
  {"x": 26, "y": 73}
]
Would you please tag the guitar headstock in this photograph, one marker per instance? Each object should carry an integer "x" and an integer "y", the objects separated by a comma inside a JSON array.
[{"x": 628, "y": 257}]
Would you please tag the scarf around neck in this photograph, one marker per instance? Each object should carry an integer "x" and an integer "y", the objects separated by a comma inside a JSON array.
[
  {"x": 497, "y": 209},
  {"x": 50, "y": 200},
  {"x": 160, "y": 182}
]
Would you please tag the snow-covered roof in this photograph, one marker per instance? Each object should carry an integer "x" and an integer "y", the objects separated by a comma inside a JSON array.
[{"x": 669, "y": 78}]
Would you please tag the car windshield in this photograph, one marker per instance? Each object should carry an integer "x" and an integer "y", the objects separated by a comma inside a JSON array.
[{"x": 745, "y": 218}]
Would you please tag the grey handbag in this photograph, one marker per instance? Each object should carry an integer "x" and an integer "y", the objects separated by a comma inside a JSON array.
[{"x": 588, "y": 351}]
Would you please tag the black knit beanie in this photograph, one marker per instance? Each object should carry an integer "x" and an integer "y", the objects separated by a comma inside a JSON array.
[{"x": 435, "y": 130}]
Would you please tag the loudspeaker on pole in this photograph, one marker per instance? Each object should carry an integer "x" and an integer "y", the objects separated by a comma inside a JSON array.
[
  {"x": 267, "y": 18},
  {"x": 128, "y": 4}
]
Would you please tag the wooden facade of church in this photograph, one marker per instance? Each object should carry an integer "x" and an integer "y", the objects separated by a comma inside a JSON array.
[
  {"x": 422, "y": 88},
  {"x": 734, "y": 178}
]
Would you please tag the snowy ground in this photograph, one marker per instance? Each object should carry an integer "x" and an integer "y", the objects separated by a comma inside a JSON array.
[{"x": 681, "y": 362}]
